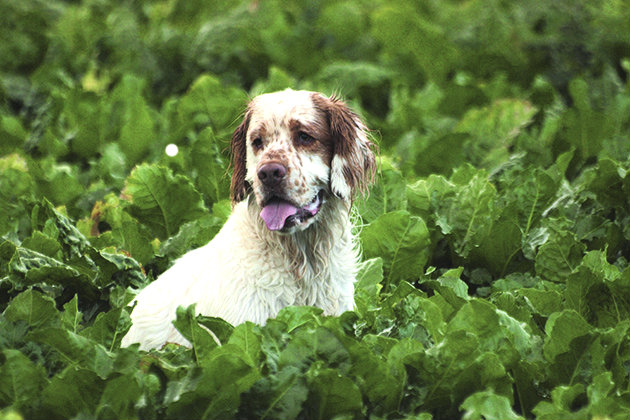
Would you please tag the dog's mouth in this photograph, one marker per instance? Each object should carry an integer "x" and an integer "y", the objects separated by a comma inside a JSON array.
[{"x": 280, "y": 214}]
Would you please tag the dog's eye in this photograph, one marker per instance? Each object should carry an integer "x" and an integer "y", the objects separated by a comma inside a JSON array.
[
  {"x": 257, "y": 143},
  {"x": 304, "y": 138}
]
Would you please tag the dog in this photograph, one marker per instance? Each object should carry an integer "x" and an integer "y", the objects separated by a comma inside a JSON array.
[{"x": 299, "y": 160}]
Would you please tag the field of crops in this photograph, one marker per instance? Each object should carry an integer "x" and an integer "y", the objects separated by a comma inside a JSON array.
[{"x": 495, "y": 281}]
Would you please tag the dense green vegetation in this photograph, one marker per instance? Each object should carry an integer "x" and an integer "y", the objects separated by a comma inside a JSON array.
[{"x": 496, "y": 281}]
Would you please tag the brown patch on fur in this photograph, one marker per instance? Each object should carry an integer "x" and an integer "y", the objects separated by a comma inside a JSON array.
[
  {"x": 258, "y": 132},
  {"x": 318, "y": 130},
  {"x": 345, "y": 129},
  {"x": 238, "y": 186}
]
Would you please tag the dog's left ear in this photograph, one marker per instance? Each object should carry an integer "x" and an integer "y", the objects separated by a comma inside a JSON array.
[
  {"x": 353, "y": 163},
  {"x": 239, "y": 187}
]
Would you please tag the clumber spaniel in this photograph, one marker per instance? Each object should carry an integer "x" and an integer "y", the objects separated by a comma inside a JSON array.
[{"x": 299, "y": 159}]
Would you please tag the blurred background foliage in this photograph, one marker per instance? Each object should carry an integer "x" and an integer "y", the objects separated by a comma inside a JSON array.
[{"x": 89, "y": 89}]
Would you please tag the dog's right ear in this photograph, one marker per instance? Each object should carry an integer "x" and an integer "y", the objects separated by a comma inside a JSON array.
[{"x": 239, "y": 187}]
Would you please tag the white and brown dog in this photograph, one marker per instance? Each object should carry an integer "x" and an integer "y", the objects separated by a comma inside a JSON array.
[{"x": 299, "y": 159}]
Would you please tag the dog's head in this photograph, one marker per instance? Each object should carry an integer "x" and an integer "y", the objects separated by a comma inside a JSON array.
[{"x": 295, "y": 150}]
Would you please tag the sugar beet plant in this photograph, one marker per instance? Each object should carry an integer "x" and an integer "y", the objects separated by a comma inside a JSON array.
[{"x": 495, "y": 281}]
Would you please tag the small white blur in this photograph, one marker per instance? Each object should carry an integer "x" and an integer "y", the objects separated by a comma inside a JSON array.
[{"x": 172, "y": 150}]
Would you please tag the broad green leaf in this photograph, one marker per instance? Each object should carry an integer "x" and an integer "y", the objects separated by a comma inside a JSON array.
[
  {"x": 487, "y": 405},
  {"x": 210, "y": 166},
  {"x": 310, "y": 344},
  {"x": 34, "y": 308},
  {"x": 248, "y": 340},
  {"x": 470, "y": 214},
  {"x": 559, "y": 256},
  {"x": 126, "y": 233},
  {"x": 368, "y": 286},
  {"x": 34, "y": 268},
  {"x": 109, "y": 328},
  {"x": 71, "y": 317},
  {"x": 404, "y": 32},
  {"x": 450, "y": 287},
  {"x": 387, "y": 195},
  {"x": 209, "y": 102},
  {"x": 295, "y": 317},
  {"x": 586, "y": 126},
  {"x": 280, "y": 395},
  {"x": 58, "y": 226},
  {"x": 77, "y": 350},
  {"x": 561, "y": 329},
  {"x": 137, "y": 127},
  {"x": 22, "y": 380},
  {"x": 73, "y": 391},
  {"x": 162, "y": 201},
  {"x": 201, "y": 339},
  {"x": 43, "y": 244},
  {"x": 493, "y": 130},
  {"x": 596, "y": 292},
  {"x": 425, "y": 195},
  {"x": 403, "y": 243},
  {"x": 375, "y": 378},
  {"x": 204, "y": 394},
  {"x": 119, "y": 397},
  {"x": 12, "y": 133},
  {"x": 332, "y": 394},
  {"x": 544, "y": 302},
  {"x": 220, "y": 328}
]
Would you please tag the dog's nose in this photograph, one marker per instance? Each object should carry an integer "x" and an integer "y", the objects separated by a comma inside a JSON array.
[{"x": 271, "y": 174}]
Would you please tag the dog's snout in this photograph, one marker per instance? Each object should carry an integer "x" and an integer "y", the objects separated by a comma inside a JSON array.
[{"x": 271, "y": 174}]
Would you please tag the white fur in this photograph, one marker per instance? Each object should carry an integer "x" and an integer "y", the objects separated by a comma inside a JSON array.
[
  {"x": 247, "y": 272},
  {"x": 244, "y": 274}
]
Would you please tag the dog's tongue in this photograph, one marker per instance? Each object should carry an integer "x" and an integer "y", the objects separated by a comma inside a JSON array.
[{"x": 276, "y": 213}]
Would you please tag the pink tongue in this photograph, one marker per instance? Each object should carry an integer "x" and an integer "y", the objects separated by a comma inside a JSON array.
[{"x": 276, "y": 213}]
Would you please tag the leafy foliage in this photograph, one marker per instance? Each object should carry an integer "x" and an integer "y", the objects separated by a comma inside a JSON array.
[{"x": 496, "y": 242}]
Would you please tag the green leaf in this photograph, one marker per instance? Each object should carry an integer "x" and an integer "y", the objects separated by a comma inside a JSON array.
[
  {"x": 387, "y": 195},
  {"x": 559, "y": 256},
  {"x": 597, "y": 291},
  {"x": 119, "y": 398},
  {"x": 486, "y": 405},
  {"x": 204, "y": 394},
  {"x": 470, "y": 214},
  {"x": 402, "y": 241},
  {"x": 451, "y": 287},
  {"x": 220, "y": 328},
  {"x": 34, "y": 308},
  {"x": 276, "y": 396},
  {"x": 77, "y": 350},
  {"x": 211, "y": 168},
  {"x": 208, "y": 101},
  {"x": 201, "y": 339},
  {"x": 47, "y": 219},
  {"x": 71, "y": 392},
  {"x": 493, "y": 130},
  {"x": 368, "y": 286},
  {"x": 162, "y": 201},
  {"x": 424, "y": 196},
  {"x": 22, "y": 380},
  {"x": 71, "y": 317},
  {"x": 248, "y": 340},
  {"x": 332, "y": 395},
  {"x": 109, "y": 328},
  {"x": 561, "y": 329},
  {"x": 137, "y": 128}
]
